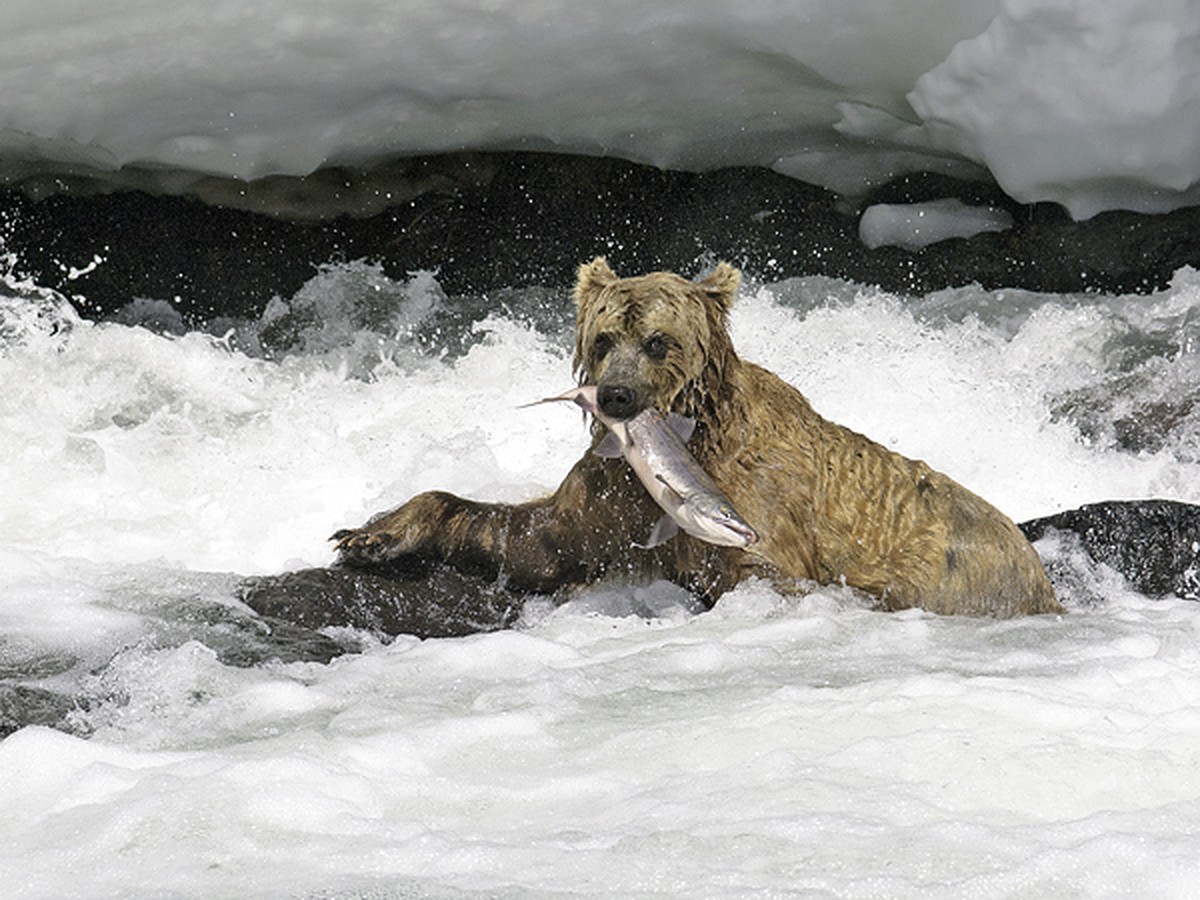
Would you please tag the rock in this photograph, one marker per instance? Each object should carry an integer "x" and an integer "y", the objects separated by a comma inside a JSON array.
[
  {"x": 490, "y": 221},
  {"x": 1153, "y": 544},
  {"x": 438, "y": 603},
  {"x": 22, "y": 705}
]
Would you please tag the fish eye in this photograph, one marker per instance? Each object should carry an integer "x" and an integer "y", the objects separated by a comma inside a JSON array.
[
  {"x": 602, "y": 345},
  {"x": 656, "y": 347}
]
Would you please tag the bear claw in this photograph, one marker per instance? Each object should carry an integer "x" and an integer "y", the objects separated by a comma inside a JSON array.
[{"x": 355, "y": 539}]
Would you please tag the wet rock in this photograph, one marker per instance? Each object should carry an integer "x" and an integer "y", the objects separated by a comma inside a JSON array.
[
  {"x": 22, "y": 705},
  {"x": 1153, "y": 544},
  {"x": 438, "y": 603},
  {"x": 485, "y": 222},
  {"x": 236, "y": 635},
  {"x": 242, "y": 639}
]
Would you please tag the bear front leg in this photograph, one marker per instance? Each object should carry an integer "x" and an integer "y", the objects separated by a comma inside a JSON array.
[
  {"x": 441, "y": 528},
  {"x": 567, "y": 539}
]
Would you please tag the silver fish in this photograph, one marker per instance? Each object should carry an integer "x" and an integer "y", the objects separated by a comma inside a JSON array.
[{"x": 655, "y": 446}]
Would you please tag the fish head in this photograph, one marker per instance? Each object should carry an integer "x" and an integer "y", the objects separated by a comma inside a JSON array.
[{"x": 716, "y": 521}]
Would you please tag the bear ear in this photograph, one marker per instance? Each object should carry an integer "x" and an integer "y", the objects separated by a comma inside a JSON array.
[
  {"x": 722, "y": 284},
  {"x": 593, "y": 278}
]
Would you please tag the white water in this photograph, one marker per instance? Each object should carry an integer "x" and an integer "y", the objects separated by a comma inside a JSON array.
[{"x": 622, "y": 745}]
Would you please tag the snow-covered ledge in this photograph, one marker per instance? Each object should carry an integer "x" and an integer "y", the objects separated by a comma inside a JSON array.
[{"x": 1094, "y": 104}]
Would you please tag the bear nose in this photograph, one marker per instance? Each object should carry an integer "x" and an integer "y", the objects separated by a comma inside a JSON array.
[{"x": 617, "y": 401}]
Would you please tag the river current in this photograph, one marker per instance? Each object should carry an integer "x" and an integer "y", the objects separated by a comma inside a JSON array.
[{"x": 625, "y": 744}]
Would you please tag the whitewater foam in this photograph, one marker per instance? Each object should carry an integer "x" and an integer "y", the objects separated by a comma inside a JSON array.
[{"x": 624, "y": 743}]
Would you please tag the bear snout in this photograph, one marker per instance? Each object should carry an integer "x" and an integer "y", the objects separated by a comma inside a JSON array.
[{"x": 618, "y": 401}]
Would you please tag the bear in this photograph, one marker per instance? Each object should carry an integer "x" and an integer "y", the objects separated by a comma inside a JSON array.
[{"x": 830, "y": 506}]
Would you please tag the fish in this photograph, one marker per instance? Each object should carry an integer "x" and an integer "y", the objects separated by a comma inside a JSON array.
[{"x": 655, "y": 446}]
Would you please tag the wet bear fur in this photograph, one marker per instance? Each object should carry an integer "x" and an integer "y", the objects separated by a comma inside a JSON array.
[{"x": 830, "y": 505}]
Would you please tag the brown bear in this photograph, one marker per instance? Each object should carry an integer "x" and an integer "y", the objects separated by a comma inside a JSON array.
[{"x": 830, "y": 505}]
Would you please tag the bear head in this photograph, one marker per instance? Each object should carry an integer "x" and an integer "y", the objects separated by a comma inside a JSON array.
[{"x": 654, "y": 340}]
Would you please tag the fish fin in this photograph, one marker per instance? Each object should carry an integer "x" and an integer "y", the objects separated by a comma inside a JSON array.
[
  {"x": 609, "y": 447},
  {"x": 664, "y": 529},
  {"x": 682, "y": 425}
]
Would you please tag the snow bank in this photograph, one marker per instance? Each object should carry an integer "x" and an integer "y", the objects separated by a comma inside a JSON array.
[{"x": 1092, "y": 103}]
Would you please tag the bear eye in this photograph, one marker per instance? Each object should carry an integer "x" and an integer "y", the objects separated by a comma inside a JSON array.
[
  {"x": 656, "y": 348},
  {"x": 602, "y": 344}
]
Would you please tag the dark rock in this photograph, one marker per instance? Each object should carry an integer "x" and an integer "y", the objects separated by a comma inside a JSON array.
[
  {"x": 490, "y": 221},
  {"x": 237, "y": 636},
  {"x": 1153, "y": 544},
  {"x": 242, "y": 639},
  {"x": 21, "y": 705},
  {"x": 440, "y": 603}
]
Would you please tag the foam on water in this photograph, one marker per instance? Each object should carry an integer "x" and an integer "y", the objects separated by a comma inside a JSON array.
[
  {"x": 129, "y": 446},
  {"x": 623, "y": 744}
]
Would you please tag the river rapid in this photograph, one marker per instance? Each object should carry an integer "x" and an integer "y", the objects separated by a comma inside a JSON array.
[{"x": 625, "y": 744}]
